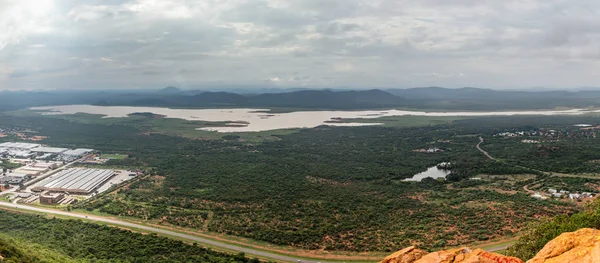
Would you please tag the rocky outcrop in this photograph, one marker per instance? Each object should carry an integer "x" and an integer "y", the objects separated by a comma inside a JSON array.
[
  {"x": 581, "y": 246},
  {"x": 460, "y": 255},
  {"x": 407, "y": 255}
]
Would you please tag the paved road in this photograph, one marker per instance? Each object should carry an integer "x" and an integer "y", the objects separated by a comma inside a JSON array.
[
  {"x": 482, "y": 151},
  {"x": 163, "y": 231},
  {"x": 497, "y": 248}
]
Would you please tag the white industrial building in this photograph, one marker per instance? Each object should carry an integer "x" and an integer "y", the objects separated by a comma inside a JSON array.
[
  {"x": 49, "y": 150},
  {"x": 19, "y": 145},
  {"x": 14, "y": 178},
  {"x": 77, "y": 152},
  {"x": 20, "y": 153},
  {"x": 75, "y": 181},
  {"x": 33, "y": 171}
]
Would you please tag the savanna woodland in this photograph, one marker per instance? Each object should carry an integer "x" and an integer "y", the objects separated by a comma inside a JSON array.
[{"x": 341, "y": 188}]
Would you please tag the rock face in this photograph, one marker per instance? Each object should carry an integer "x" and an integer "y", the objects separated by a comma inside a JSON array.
[
  {"x": 581, "y": 246},
  {"x": 407, "y": 255},
  {"x": 460, "y": 255}
]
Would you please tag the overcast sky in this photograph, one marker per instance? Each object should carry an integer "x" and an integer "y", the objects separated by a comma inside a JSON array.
[{"x": 53, "y": 44}]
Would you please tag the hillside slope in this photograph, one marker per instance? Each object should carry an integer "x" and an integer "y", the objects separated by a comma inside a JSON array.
[
  {"x": 561, "y": 239},
  {"x": 31, "y": 238},
  {"x": 11, "y": 253}
]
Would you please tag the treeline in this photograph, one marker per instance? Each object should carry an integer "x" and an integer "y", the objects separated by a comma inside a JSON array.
[{"x": 78, "y": 241}]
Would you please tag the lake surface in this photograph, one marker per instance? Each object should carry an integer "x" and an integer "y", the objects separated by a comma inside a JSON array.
[
  {"x": 432, "y": 172},
  {"x": 261, "y": 120}
]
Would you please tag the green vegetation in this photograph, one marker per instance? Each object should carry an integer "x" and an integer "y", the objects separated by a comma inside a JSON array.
[
  {"x": 333, "y": 188},
  {"x": 5, "y": 164},
  {"x": 38, "y": 239},
  {"x": 17, "y": 251},
  {"x": 537, "y": 234},
  {"x": 410, "y": 121},
  {"x": 113, "y": 156}
]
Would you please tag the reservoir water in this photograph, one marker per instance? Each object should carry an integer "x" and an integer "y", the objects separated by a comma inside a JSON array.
[
  {"x": 255, "y": 120},
  {"x": 432, "y": 172}
]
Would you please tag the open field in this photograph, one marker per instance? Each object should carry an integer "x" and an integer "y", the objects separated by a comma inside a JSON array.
[
  {"x": 409, "y": 121},
  {"x": 113, "y": 156}
]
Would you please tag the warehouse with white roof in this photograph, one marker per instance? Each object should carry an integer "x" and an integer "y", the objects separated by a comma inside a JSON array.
[
  {"x": 49, "y": 150},
  {"x": 19, "y": 145},
  {"x": 77, "y": 152},
  {"x": 75, "y": 181}
]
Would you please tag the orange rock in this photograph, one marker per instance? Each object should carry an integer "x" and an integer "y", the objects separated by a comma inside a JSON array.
[
  {"x": 466, "y": 255},
  {"x": 407, "y": 255},
  {"x": 460, "y": 255},
  {"x": 581, "y": 246}
]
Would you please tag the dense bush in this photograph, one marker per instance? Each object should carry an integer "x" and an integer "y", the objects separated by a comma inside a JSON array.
[
  {"x": 88, "y": 242},
  {"x": 537, "y": 234}
]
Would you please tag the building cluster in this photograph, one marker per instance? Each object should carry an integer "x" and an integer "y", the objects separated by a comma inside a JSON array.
[
  {"x": 429, "y": 150},
  {"x": 560, "y": 194},
  {"x": 27, "y": 172},
  {"x": 584, "y": 131},
  {"x": 37, "y": 151},
  {"x": 517, "y": 134},
  {"x": 35, "y": 158}
]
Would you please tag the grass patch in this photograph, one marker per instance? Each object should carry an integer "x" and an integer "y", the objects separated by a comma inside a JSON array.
[
  {"x": 113, "y": 156},
  {"x": 409, "y": 121}
]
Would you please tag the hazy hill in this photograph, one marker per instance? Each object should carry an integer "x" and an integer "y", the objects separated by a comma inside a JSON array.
[
  {"x": 328, "y": 99},
  {"x": 170, "y": 90},
  {"x": 426, "y": 98},
  {"x": 437, "y": 93}
]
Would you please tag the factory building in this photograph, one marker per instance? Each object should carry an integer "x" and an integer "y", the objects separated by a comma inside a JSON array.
[
  {"x": 77, "y": 152},
  {"x": 52, "y": 150},
  {"x": 14, "y": 178},
  {"x": 44, "y": 165},
  {"x": 21, "y": 153},
  {"x": 51, "y": 198},
  {"x": 75, "y": 181},
  {"x": 23, "y": 146},
  {"x": 32, "y": 171}
]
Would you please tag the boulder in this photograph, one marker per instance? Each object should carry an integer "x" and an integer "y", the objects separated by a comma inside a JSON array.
[
  {"x": 459, "y": 255},
  {"x": 581, "y": 246},
  {"x": 407, "y": 255}
]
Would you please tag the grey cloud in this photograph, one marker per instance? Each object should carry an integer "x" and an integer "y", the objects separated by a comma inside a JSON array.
[
  {"x": 336, "y": 28},
  {"x": 354, "y": 43},
  {"x": 19, "y": 73}
]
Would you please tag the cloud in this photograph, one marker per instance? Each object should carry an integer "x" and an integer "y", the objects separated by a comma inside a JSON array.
[{"x": 319, "y": 43}]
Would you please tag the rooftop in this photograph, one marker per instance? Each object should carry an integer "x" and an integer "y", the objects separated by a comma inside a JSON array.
[
  {"x": 81, "y": 180},
  {"x": 49, "y": 150},
  {"x": 77, "y": 152},
  {"x": 19, "y": 145}
]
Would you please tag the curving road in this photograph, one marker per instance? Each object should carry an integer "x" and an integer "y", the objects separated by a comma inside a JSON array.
[
  {"x": 165, "y": 232},
  {"x": 483, "y": 151}
]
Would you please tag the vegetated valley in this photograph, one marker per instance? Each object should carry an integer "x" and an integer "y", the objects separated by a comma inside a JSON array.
[{"x": 342, "y": 188}]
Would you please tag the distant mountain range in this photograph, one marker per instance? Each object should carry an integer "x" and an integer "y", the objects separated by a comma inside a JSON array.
[{"x": 426, "y": 98}]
